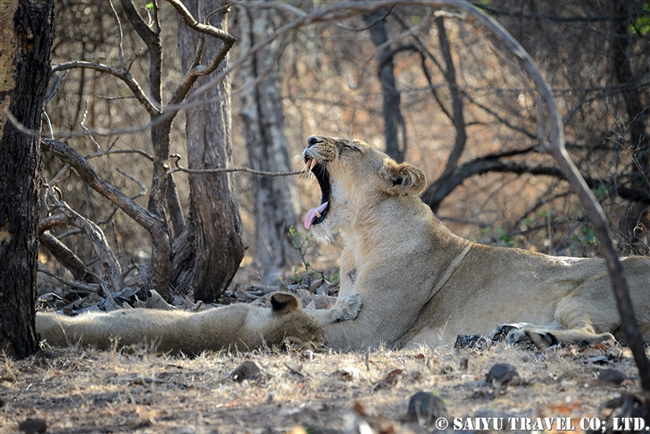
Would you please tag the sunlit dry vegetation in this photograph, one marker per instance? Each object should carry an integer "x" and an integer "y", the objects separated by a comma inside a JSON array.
[
  {"x": 88, "y": 391},
  {"x": 459, "y": 108}
]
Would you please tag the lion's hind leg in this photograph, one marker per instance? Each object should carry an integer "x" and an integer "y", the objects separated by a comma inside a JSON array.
[
  {"x": 578, "y": 321},
  {"x": 543, "y": 337}
]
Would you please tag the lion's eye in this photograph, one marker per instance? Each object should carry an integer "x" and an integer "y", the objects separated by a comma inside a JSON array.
[{"x": 354, "y": 148}]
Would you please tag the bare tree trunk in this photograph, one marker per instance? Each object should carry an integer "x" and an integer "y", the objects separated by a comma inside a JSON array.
[
  {"x": 25, "y": 45},
  {"x": 268, "y": 149},
  {"x": 432, "y": 195},
  {"x": 160, "y": 264},
  {"x": 207, "y": 254},
  {"x": 393, "y": 119}
]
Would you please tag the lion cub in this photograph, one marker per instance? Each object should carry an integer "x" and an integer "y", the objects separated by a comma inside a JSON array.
[{"x": 239, "y": 326}]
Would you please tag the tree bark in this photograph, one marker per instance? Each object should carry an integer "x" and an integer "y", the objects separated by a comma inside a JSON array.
[
  {"x": 25, "y": 45},
  {"x": 208, "y": 252},
  {"x": 268, "y": 150},
  {"x": 160, "y": 268}
]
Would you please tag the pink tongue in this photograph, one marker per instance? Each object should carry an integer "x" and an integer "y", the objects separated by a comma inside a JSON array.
[{"x": 313, "y": 214}]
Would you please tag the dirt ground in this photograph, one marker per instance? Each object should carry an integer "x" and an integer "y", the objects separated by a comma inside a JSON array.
[{"x": 72, "y": 390}]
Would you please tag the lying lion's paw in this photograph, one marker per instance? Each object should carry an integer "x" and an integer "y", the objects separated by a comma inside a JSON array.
[
  {"x": 503, "y": 330},
  {"x": 349, "y": 307},
  {"x": 540, "y": 337}
]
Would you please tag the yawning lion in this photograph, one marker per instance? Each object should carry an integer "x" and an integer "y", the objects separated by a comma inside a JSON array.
[{"x": 420, "y": 283}]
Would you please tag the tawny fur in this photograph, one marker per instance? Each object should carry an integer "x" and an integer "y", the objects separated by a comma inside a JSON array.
[
  {"x": 422, "y": 284},
  {"x": 237, "y": 326}
]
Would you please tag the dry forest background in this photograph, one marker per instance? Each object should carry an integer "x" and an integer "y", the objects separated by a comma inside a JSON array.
[
  {"x": 429, "y": 88},
  {"x": 433, "y": 90}
]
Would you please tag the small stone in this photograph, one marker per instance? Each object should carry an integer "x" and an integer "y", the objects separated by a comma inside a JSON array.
[
  {"x": 32, "y": 426},
  {"x": 246, "y": 371},
  {"x": 426, "y": 408},
  {"x": 503, "y": 374},
  {"x": 611, "y": 377}
]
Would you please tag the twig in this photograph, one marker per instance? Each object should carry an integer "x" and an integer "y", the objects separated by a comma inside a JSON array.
[
  {"x": 124, "y": 76},
  {"x": 374, "y": 23},
  {"x": 83, "y": 127},
  {"x": 98, "y": 240},
  {"x": 90, "y": 287},
  {"x": 120, "y": 35},
  {"x": 178, "y": 168},
  {"x": 119, "y": 151},
  {"x": 235, "y": 169},
  {"x": 427, "y": 19},
  {"x": 67, "y": 258}
]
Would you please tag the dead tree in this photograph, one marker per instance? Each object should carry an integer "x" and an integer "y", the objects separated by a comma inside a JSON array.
[
  {"x": 209, "y": 250},
  {"x": 25, "y": 43},
  {"x": 213, "y": 198}
]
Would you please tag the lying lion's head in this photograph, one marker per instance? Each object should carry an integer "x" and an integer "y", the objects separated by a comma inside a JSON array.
[{"x": 353, "y": 177}]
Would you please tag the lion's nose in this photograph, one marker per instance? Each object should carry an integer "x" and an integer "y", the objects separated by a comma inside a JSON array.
[{"x": 312, "y": 141}]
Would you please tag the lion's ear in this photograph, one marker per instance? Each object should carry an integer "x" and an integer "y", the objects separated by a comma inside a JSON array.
[
  {"x": 282, "y": 303},
  {"x": 402, "y": 178}
]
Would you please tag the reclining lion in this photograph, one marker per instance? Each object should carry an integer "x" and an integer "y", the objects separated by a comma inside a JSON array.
[
  {"x": 422, "y": 284},
  {"x": 237, "y": 326}
]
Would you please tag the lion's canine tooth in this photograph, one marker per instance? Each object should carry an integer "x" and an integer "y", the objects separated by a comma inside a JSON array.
[{"x": 312, "y": 164}]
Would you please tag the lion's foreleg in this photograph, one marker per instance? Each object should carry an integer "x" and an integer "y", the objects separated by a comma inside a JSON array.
[{"x": 346, "y": 308}]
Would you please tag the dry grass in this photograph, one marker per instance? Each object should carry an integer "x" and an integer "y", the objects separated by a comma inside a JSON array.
[{"x": 86, "y": 391}]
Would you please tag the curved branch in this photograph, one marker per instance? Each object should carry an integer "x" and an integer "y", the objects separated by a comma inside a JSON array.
[
  {"x": 106, "y": 189},
  {"x": 199, "y": 70},
  {"x": 67, "y": 258},
  {"x": 438, "y": 191},
  {"x": 199, "y": 27},
  {"x": 236, "y": 169},
  {"x": 556, "y": 147},
  {"x": 125, "y": 76}
]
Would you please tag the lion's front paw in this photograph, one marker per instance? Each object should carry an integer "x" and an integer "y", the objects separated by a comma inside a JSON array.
[{"x": 348, "y": 307}]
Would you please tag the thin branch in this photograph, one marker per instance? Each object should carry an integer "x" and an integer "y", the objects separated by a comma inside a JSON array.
[
  {"x": 148, "y": 35},
  {"x": 120, "y": 36},
  {"x": 136, "y": 180},
  {"x": 112, "y": 193},
  {"x": 52, "y": 221},
  {"x": 120, "y": 151},
  {"x": 456, "y": 98},
  {"x": 374, "y": 23},
  {"x": 199, "y": 27},
  {"x": 67, "y": 258},
  {"x": 425, "y": 22},
  {"x": 196, "y": 70},
  {"x": 235, "y": 169},
  {"x": 178, "y": 168},
  {"x": 124, "y": 76},
  {"x": 98, "y": 240},
  {"x": 90, "y": 287},
  {"x": 90, "y": 136}
]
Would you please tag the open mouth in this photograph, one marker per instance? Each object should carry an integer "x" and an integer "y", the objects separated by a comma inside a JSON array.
[{"x": 317, "y": 215}]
